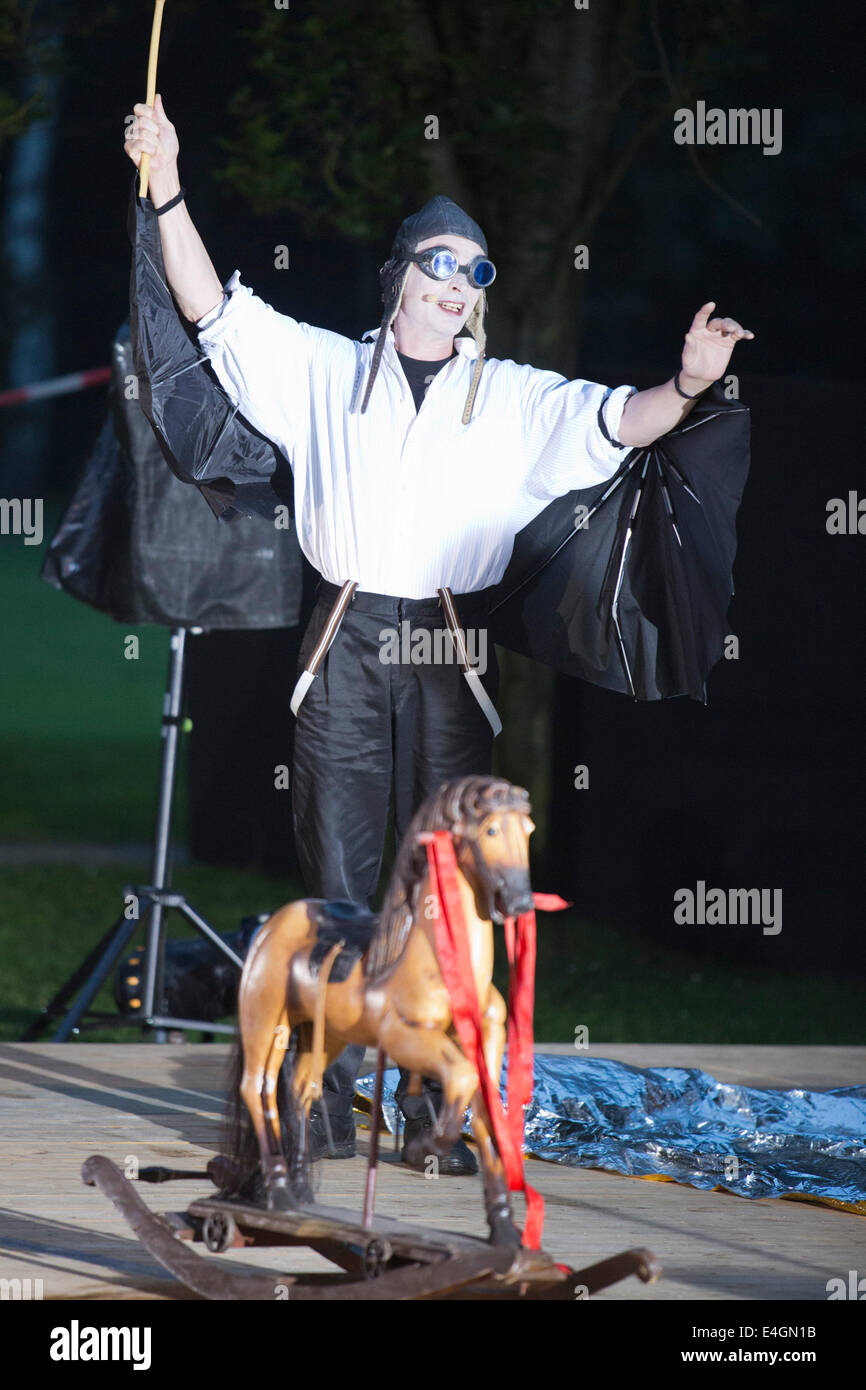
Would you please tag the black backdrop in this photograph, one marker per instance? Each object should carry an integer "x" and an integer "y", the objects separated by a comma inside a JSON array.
[{"x": 763, "y": 786}]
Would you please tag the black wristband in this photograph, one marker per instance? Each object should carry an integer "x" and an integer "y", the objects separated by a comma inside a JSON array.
[
  {"x": 166, "y": 207},
  {"x": 684, "y": 394}
]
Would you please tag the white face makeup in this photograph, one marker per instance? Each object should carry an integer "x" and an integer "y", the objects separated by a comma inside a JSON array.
[{"x": 432, "y": 311}]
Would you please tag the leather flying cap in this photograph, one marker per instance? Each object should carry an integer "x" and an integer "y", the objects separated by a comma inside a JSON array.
[{"x": 440, "y": 217}]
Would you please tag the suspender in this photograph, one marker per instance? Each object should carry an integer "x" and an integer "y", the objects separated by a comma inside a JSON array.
[
  {"x": 332, "y": 627},
  {"x": 473, "y": 680},
  {"x": 317, "y": 656}
]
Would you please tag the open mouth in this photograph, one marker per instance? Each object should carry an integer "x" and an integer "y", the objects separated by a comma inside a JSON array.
[
  {"x": 510, "y": 901},
  {"x": 454, "y": 307}
]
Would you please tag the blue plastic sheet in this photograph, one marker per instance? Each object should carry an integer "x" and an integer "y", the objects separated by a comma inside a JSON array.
[{"x": 681, "y": 1123}]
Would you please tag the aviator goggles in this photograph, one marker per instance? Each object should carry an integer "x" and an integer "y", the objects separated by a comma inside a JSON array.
[{"x": 441, "y": 263}]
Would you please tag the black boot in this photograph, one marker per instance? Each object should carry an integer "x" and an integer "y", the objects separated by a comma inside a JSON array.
[
  {"x": 418, "y": 1149},
  {"x": 338, "y": 1096},
  {"x": 341, "y": 1141}
]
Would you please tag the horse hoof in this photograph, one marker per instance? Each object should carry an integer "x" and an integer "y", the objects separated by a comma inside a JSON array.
[
  {"x": 280, "y": 1198},
  {"x": 223, "y": 1172},
  {"x": 504, "y": 1233},
  {"x": 419, "y": 1150},
  {"x": 421, "y": 1142}
]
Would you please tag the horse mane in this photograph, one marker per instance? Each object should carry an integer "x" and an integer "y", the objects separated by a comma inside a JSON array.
[{"x": 463, "y": 799}]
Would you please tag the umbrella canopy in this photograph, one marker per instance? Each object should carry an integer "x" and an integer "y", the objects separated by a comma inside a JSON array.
[
  {"x": 135, "y": 543},
  {"x": 203, "y": 440},
  {"x": 627, "y": 584}
]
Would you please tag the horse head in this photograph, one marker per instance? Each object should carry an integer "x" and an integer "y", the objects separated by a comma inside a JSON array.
[{"x": 490, "y": 831}]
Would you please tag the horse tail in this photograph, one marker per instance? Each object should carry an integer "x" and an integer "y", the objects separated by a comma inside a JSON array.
[
  {"x": 238, "y": 1171},
  {"x": 239, "y": 1150}
]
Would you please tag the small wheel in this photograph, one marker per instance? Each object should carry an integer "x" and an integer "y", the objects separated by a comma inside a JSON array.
[
  {"x": 374, "y": 1257},
  {"x": 218, "y": 1232}
]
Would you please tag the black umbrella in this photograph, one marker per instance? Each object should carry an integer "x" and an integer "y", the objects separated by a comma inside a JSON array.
[
  {"x": 203, "y": 439},
  {"x": 135, "y": 543},
  {"x": 627, "y": 584}
]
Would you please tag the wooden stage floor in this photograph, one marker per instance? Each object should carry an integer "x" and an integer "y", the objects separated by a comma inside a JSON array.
[{"x": 59, "y": 1103}]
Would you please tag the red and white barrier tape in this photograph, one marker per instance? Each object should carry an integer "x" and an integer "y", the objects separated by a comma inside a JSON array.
[{"x": 57, "y": 386}]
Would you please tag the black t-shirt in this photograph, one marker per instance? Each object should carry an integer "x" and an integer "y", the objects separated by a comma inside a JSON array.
[{"x": 419, "y": 374}]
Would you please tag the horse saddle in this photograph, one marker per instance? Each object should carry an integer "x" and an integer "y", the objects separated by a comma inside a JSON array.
[{"x": 338, "y": 919}]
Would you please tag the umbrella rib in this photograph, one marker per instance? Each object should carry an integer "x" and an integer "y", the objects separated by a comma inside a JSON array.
[
  {"x": 620, "y": 478},
  {"x": 614, "y": 611},
  {"x": 681, "y": 479},
  {"x": 213, "y": 448},
  {"x": 161, "y": 380},
  {"x": 693, "y": 424},
  {"x": 669, "y": 506},
  {"x": 614, "y": 607},
  {"x": 159, "y": 275}
]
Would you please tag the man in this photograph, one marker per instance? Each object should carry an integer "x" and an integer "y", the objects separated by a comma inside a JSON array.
[{"x": 416, "y": 461}]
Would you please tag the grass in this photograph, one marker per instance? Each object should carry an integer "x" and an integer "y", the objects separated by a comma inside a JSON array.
[
  {"x": 587, "y": 974},
  {"x": 79, "y": 756},
  {"x": 52, "y": 915},
  {"x": 625, "y": 988},
  {"x": 80, "y": 726}
]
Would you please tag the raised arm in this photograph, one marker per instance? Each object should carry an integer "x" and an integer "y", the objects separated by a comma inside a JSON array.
[
  {"x": 191, "y": 275},
  {"x": 706, "y": 353}
]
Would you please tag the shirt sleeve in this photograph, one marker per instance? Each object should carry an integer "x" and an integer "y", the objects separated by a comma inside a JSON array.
[
  {"x": 262, "y": 361},
  {"x": 571, "y": 432}
]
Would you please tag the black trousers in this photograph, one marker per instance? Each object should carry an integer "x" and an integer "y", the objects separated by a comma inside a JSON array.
[{"x": 370, "y": 721}]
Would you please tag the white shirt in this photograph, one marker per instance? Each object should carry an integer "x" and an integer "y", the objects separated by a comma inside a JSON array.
[{"x": 407, "y": 502}]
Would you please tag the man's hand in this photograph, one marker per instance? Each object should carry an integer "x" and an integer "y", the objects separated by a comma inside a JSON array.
[
  {"x": 707, "y": 352},
  {"x": 188, "y": 267},
  {"x": 153, "y": 133},
  {"x": 708, "y": 347}
]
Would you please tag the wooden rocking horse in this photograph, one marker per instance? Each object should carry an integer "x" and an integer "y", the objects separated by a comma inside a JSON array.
[{"x": 416, "y": 982}]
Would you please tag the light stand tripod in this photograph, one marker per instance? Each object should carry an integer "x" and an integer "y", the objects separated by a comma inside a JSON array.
[{"x": 149, "y": 902}]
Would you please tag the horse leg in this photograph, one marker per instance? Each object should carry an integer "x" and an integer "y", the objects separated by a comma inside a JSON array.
[
  {"x": 302, "y": 1097},
  {"x": 502, "y": 1228},
  {"x": 496, "y": 1200},
  {"x": 275, "y": 1168},
  {"x": 264, "y": 1051},
  {"x": 431, "y": 1052},
  {"x": 498, "y": 1206},
  {"x": 288, "y": 1181}
]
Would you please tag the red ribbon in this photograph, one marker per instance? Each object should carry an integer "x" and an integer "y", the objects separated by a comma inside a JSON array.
[
  {"x": 549, "y": 902},
  {"x": 452, "y": 950}
]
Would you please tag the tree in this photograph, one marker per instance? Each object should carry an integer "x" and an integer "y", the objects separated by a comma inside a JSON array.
[{"x": 16, "y": 112}]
